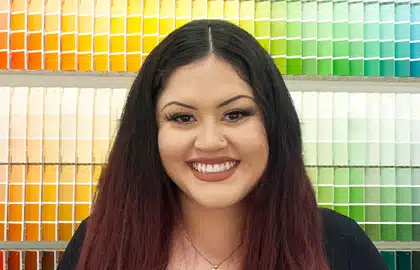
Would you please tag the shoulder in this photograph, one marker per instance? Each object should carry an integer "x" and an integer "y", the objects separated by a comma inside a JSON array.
[
  {"x": 336, "y": 223},
  {"x": 72, "y": 251},
  {"x": 79, "y": 234},
  {"x": 347, "y": 245}
]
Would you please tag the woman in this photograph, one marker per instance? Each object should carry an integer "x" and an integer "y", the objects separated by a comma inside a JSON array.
[{"x": 206, "y": 171}]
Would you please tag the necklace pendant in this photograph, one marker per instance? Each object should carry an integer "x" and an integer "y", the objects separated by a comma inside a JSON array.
[{"x": 215, "y": 267}]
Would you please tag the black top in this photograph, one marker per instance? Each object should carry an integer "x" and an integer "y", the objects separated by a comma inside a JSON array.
[{"x": 346, "y": 244}]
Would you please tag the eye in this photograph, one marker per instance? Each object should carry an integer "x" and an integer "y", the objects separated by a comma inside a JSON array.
[
  {"x": 184, "y": 118},
  {"x": 238, "y": 115},
  {"x": 234, "y": 116},
  {"x": 180, "y": 118}
]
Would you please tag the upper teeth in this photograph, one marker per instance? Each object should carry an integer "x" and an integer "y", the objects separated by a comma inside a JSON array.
[{"x": 210, "y": 168}]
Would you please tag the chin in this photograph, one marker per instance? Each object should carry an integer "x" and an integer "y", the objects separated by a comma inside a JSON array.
[{"x": 215, "y": 201}]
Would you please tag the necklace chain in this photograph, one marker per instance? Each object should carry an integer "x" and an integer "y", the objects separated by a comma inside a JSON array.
[{"x": 215, "y": 266}]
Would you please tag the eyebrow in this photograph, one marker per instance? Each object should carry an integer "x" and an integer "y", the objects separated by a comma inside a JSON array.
[{"x": 224, "y": 103}]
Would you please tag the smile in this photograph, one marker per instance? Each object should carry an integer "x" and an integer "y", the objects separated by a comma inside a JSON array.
[{"x": 213, "y": 168}]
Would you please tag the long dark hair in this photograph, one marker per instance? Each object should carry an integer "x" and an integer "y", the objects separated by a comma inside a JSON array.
[{"x": 132, "y": 219}]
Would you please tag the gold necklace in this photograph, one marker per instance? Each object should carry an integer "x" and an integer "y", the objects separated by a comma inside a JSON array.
[{"x": 215, "y": 266}]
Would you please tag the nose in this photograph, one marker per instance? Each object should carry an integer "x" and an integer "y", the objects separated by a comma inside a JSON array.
[{"x": 210, "y": 138}]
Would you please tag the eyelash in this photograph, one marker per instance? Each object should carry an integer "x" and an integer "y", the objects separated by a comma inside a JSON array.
[{"x": 175, "y": 117}]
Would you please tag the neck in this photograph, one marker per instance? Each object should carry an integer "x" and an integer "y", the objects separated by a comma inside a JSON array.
[{"x": 216, "y": 233}]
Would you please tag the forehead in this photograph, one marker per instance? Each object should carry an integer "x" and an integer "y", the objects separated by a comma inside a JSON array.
[{"x": 211, "y": 78}]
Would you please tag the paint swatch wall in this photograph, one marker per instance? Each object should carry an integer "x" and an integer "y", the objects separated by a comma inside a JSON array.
[
  {"x": 346, "y": 38},
  {"x": 362, "y": 151}
]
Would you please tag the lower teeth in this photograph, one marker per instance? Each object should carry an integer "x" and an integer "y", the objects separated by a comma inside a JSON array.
[{"x": 202, "y": 171}]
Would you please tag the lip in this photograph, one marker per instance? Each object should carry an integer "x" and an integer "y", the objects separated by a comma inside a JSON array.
[{"x": 215, "y": 176}]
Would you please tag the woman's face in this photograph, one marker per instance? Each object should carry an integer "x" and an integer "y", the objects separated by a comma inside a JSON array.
[{"x": 212, "y": 140}]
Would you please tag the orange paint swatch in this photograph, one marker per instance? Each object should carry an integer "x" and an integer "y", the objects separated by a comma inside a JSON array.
[
  {"x": 83, "y": 193},
  {"x": 65, "y": 231},
  {"x": 51, "y": 63},
  {"x": 34, "y": 41},
  {"x": 65, "y": 212},
  {"x": 84, "y": 62},
  {"x": 18, "y": 60},
  {"x": 32, "y": 193},
  {"x": 16, "y": 173},
  {"x": 68, "y": 42},
  {"x": 49, "y": 212},
  {"x": 118, "y": 63},
  {"x": 68, "y": 23},
  {"x": 17, "y": 22},
  {"x": 34, "y": 22},
  {"x": 15, "y": 232},
  {"x": 33, "y": 174},
  {"x": 2, "y": 211},
  {"x": 34, "y": 63},
  {"x": 15, "y": 212},
  {"x": 17, "y": 41},
  {"x": 134, "y": 44},
  {"x": 117, "y": 44},
  {"x": 83, "y": 173},
  {"x": 2, "y": 193},
  {"x": 3, "y": 65},
  {"x": 51, "y": 42},
  {"x": 68, "y": 62},
  {"x": 49, "y": 192},
  {"x": 32, "y": 232},
  {"x": 50, "y": 173},
  {"x": 48, "y": 233},
  {"x": 133, "y": 62},
  {"x": 101, "y": 44},
  {"x": 82, "y": 211},
  {"x": 65, "y": 193},
  {"x": 84, "y": 43},
  {"x": 15, "y": 193},
  {"x": 149, "y": 43},
  {"x": 101, "y": 62},
  {"x": 32, "y": 212}
]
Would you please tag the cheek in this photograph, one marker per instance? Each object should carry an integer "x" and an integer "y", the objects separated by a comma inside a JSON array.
[
  {"x": 253, "y": 140},
  {"x": 253, "y": 147},
  {"x": 173, "y": 147}
]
